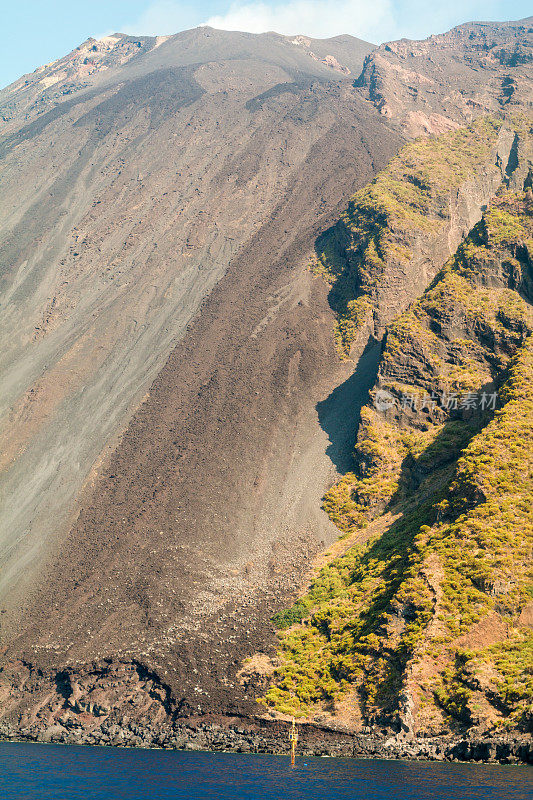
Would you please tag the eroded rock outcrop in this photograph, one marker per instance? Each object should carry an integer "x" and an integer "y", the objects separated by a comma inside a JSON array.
[{"x": 435, "y": 85}]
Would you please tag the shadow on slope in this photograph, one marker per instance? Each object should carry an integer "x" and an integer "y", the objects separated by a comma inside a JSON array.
[{"x": 338, "y": 414}]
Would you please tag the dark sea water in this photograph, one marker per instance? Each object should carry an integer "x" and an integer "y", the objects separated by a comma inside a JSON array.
[{"x": 52, "y": 772}]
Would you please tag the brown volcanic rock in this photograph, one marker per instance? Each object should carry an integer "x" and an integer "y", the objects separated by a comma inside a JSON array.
[{"x": 446, "y": 80}]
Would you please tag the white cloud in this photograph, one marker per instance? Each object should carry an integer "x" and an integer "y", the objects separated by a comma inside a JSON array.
[
  {"x": 373, "y": 20},
  {"x": 316, "y": 18},
  {"x": 165, "y": 17}
]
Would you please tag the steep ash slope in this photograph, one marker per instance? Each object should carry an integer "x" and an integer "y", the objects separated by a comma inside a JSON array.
[
  {"x": 97, "y": 63},
  {"x": 124, "y": 201}
]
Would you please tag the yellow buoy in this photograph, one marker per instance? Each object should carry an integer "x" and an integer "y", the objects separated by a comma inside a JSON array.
[{"x": 293, "y": 737}]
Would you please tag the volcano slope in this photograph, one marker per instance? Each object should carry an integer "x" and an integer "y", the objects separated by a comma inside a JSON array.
[
  {"x": 141, "y": 170},
  {"x": 174, "y": 401}
]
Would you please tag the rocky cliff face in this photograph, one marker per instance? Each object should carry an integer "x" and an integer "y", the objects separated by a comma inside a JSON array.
[
  {"x": 399, "y": 229},
  {"x": 174, "y": 405},
  {"x": 434, "y": 85},
  {"x": 49, "y": 85}
]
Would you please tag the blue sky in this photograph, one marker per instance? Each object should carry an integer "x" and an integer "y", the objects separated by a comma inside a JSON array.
[{"x": 33, "y": 33}]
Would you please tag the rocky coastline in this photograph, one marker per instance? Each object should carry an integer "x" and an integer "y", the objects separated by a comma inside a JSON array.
[{"x": 258, "y": 735}]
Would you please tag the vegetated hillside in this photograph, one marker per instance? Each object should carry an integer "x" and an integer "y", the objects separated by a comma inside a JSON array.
[
  {"x": 174, "y": 406},
  {"x": 398, "y": 230},
  {"x": 428, "y": 624}
]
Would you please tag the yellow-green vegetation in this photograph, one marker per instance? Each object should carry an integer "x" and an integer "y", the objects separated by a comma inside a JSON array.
[
  {"x": 405, "y": 204},
  {"x": 346, "y": 613},
  {"x": 379, "y": 455},
  {"x": 366, "y": 614},
  {"x": 489, "y": 501},
  {"x": 461, "y": 550},
  {"x": 388, "y": 456},
  {"x": 506, "y": 672},
  {"x": 493, "y": 321}
]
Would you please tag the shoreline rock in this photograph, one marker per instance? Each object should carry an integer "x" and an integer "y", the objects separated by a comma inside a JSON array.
[{"x": 262, "y": 736}]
